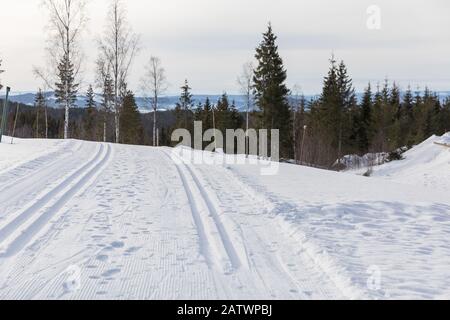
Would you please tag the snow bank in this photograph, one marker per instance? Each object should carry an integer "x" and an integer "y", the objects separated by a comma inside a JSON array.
[
  {"x": 427, "y": 164},
  {"x": 374, "y": 238},
  {"x": 25, "y": 150}
]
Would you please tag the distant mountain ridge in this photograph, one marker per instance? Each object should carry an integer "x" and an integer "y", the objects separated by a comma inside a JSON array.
[{"x": 166, "y": 103}]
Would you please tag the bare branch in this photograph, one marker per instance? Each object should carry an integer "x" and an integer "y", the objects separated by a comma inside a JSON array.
[
  {"x": 118, "y": 47},
  {"x": 154, "y": 85}
]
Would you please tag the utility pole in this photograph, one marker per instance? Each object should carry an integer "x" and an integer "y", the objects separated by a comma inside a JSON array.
[
  {"x": 157, "y": 138},
  {"x": 5, "y": 114}
]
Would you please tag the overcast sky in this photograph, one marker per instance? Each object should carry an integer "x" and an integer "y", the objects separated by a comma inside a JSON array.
[{"x": 207, "y": 41}]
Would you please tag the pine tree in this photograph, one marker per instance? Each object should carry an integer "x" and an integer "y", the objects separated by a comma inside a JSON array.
[
  {"x": 444, "y": 117},
  {"x": 108, "y": 100},
  {"x": 395, "y": 105},
  {"x": 39, "y": 104},
  {"x": 271, "y": 93},
  {"x": 407, "y": 104},
  {"x": 206, "y": 117},
  {"x": 365, "y": 124},
  {"x": 406, "y": 117},
  {"x": 347, "y": 111},
  {"x": 185, "y": 103},
  {"x": 130, "y": 124},
  {"x": 223, "y": 114},
  {"x": 336, "y": 115},
  {"x": 236, "y": 117},
  {"x": 90, "y": 98},
  {"x": 66, "y": 89},
  {"x": 91, "y": 114}
]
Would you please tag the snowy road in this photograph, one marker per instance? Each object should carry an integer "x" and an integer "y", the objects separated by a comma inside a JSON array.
[{"x": 86, "y": 220}]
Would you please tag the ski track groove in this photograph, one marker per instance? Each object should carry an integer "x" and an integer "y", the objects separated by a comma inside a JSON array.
[
  {"x": 86, "y": 172},
  {"x": 23, "y": 192},
  {"x": 24, "y": 171},
  {"x": 42, "y": 200},
  {"x": 310, "y": 264},
  {"x": 212, "y": 215}
]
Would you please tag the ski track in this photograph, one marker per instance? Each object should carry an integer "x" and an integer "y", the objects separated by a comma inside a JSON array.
[
  {"x": 137, "y": 225},
  {"x": 207, "y": 220},
  {"x": 51, "y": 203},
  {"x": 24, "y": 171},
  {"x": 273, "y": 253},
  {"x": 34, "y": 179}
]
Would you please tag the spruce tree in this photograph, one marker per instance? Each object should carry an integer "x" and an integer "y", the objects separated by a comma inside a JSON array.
[
  {"x": 39, "y": 104},
  {"x": 347, "y": 111},
  {"x": 365, "y": 124},
  {"x": 444, "y": 117},
  {"x": 130, "y": 124},
  {"x": 271, "y": 92},
  {"x": 237, "y": 120},
  {"x": 185, "y": 104},
  {"x": 395, "y": 105},
  {"x": 66, "y": 89},
  {"x": 406, "y": 117},
  {"x": 336, "y": 116},
  {"x": 207, "y": 117},
  {"x": 223, "y": 114},
  {"x": 91, "y": 114}
]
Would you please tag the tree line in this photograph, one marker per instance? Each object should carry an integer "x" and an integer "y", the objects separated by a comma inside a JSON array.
[{"x": 315, "y": 132}]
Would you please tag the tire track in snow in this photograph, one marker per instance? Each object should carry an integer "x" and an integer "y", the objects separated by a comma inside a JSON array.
[
  {"x": 49, "y": 204},
  {"x": 207, "y": 221}
]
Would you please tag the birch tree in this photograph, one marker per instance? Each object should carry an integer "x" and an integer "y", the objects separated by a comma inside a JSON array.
[
  {"x": 118, "y": 47},
  {"x": 245, "y": 82},
  {"x": 67, "y": 21},
  {"x": 105, "y": 83},
  {"x": 154, "y": 84}
]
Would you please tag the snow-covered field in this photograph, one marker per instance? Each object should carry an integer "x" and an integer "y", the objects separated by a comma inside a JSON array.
[{"x": 82, "y": 220}]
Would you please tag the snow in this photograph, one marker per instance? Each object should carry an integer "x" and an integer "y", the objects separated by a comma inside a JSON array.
[
  {"x": 427, "y": 164},
  {"x": 84, "y": 220}
]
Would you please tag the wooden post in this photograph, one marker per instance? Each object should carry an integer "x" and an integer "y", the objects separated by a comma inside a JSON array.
[
  {"x": 157, "y": 137},
  {"x": 15, "y": 122},
  {"x": 303, "y": 144},
  {"x": 214, "y": 128},
  {"x": 5, "y": 114}
]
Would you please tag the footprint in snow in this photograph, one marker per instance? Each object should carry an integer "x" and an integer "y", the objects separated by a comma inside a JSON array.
[
  {"x": 110, "y": 273},
  {"x": 102, "y": 257},
  {"x": 118, "y": 244}
]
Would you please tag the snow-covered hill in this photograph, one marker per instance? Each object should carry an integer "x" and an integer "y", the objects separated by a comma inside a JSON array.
[
  {"x": 82, "y": 220},
  {"x": 427, "y": 164}
]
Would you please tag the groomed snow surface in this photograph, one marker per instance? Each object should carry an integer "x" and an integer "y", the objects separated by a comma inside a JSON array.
[{"x": 83, "y": 220}]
